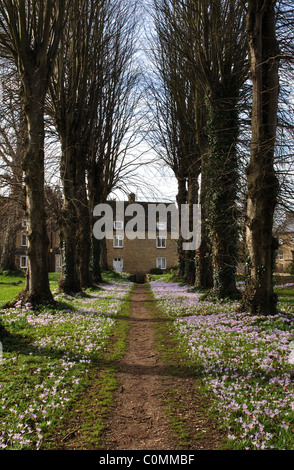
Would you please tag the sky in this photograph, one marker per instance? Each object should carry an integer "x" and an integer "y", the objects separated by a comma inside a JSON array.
[{"x": 151, "y": 181}]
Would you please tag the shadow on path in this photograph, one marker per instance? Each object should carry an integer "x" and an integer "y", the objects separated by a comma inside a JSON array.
[{"x": 139, "y": 419}]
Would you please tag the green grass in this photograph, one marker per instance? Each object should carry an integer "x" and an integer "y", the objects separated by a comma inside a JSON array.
[
  {"x": 57, "y": 358},
  {"x": 166, "y": 276},
  {"x": 89, "y": 412},
  {"x": 51, "y": 374},
  {"x": 182, "y": 402},
  {"x": 242, "y": 361},
  {"x": 286, "y": 295},
  {"x": 284, "y": 291},
  {"x": 12, "y": 284}
]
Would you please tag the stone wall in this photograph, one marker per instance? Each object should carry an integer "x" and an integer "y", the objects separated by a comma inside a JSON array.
[{"x": 140, "y": 255}]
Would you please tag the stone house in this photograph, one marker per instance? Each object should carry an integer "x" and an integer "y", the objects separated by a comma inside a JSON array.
[
  {"x": 140, "y": 255},
  {"x": 285, "y": 252},
  {"x": 136, "y": 256},
  {"x": 21, "y": 243}
]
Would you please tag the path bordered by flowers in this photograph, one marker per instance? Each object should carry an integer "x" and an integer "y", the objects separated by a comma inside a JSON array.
[
  {"x": 244, "y": 363},
  {"x": 55, "y": 350}
]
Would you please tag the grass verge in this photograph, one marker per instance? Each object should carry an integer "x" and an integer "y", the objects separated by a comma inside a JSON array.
[
  {"x": 52, "y": 359},
  {"x": 244, "y": 362},
  {"x": 186, "y": 403},
  {"x": 12, "y": 283},
  {"x": 86, "y": 417}
]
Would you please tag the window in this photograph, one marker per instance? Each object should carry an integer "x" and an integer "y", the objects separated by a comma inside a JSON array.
[
  {"x": 118, "y": 225},
  {"x": 24, "y": 240},
  {"x": 24, "y": 223},
  {"x": 59, "y": 261},
  {"x": 118, "y": 241},
  {"x": 23, "y": 262},
  {"x": 161, "y": 225},
  {"x": 161, "y": 242},
  {"x": 161, "y": 263},
  {"x": 280, "y": 255},
  {"x": 280, "y": 240}
]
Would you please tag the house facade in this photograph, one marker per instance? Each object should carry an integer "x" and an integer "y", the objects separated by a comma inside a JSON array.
[
  {"x": 143, "y": 253},
  {"x": 285, "y": 252},
  {"x": 137, "y": 256},
  {"x": 21, "y": 245}
]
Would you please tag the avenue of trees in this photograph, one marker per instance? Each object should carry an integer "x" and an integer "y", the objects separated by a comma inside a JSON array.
[
  {"x": 218, "y": 94},
  {"x": 223, "y": 113},
  {"x": 72, "y": 67}
]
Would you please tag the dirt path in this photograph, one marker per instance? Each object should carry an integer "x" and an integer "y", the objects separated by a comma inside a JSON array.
[
  {"x": 148, "y": 387},
  {"x": 139, "y": 420}
]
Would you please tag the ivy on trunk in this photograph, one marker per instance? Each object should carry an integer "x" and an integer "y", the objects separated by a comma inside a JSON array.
[
  {"x": 222, "y": 174},
  {"x": 263, "y": 184}
]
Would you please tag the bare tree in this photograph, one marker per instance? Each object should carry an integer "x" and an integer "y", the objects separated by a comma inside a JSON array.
[
  {"x": 92, "y": 107},
  {"x": 283, "y": 158},
  {"x": 12, "y": 141},
  {"x": 30, "y": 33},
  {"x": 74, "y": 92},
  {"x": 173, "y": 117},
  {"x": 263, "y": 184},
  {"x": 210, "y": 35},
  {"x": 116, "y": 126},
  {"x": 217, "y": 49}
]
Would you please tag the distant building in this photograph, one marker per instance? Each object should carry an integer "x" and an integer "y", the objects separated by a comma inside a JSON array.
[
  {"x": 21, "y": 244},
  {"x": 285, "y": 235},
  {"x": 137, "y": 256},
  {"x": 141, "y": 255}
]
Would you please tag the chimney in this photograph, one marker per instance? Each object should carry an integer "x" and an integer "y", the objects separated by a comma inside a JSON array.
[{"x": 132, "y": 198}]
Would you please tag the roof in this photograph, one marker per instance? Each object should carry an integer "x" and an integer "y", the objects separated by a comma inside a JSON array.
[{"x": 164, "y": 211}]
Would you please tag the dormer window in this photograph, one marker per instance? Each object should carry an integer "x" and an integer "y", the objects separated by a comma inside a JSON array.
[
  {"x": 161, "y": 225},
  {"x": 118, "y": 225}
]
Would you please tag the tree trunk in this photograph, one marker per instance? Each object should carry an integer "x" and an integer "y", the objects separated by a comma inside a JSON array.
[
  {"x": 95, "y": 198},
  {"x": 203, "y": 258},
  {"x": 192, "y": 198},
  {"x": 103, "y": 255},
  {"x": 203, "y": 262},
  {"x": 83, "y": 223},
  {"x": 181, "y": 199},
  {"x": 222, "y": 130},
  {"x": 76, "y": 218},
  {"x": 69, "y": 282},
  {"x": 33, "y": 164},
  {"x": 262, "y": 181}
]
